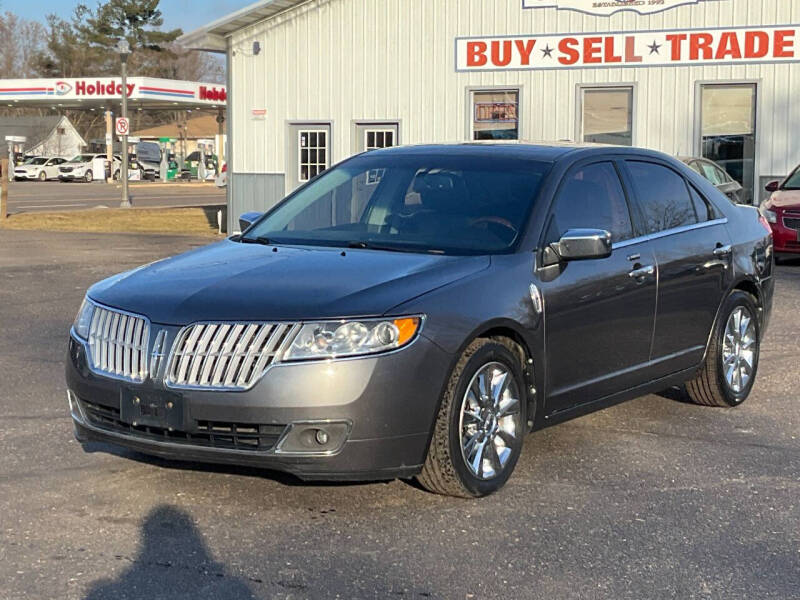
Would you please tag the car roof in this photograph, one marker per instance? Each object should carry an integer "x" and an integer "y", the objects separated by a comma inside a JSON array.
[{"x": 541, "y": 151}]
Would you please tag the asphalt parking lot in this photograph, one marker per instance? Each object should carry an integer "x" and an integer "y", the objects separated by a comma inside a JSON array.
[
  {"x": 656, "y": 498},
  {"x": 34, "y": 196}
]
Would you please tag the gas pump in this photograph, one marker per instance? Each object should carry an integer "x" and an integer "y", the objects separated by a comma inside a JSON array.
[
  {"x": 164, "y": 164},
  {"x": 14, "y": 141},
  {"x": 201, "y": 163}
]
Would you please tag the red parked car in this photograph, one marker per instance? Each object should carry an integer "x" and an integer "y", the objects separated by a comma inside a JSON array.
[{"x": 782, "y": 210}]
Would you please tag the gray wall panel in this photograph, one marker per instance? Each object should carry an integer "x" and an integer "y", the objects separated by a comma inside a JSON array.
[{"x": 253, "y": 192}]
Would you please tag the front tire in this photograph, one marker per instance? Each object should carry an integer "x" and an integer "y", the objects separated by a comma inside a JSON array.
[
  {"x": 731, "y": 364},
  {"x": 479, "y": 429},
  {"x": 88, "y": 178},
  {"x": 42, "y": 176}
]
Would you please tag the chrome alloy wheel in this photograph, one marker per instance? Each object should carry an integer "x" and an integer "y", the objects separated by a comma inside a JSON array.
[
  {"x": 488, "y": 426},
  {"x": 739, "y": 349}
]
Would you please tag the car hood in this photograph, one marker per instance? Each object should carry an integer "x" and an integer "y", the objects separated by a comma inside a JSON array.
[
  {"x": 28, "y": 167},
  {"x": 229, "y": 281},
  {"x": 785, "y": 199}
]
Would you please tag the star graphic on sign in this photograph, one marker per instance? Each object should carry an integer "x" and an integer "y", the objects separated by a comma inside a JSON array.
[
  {"x": 654, "y": 48},
  {"x": 547, "y": 52}
]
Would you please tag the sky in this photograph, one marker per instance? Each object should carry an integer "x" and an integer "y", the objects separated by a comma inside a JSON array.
[{"x": 186, "y": 14}]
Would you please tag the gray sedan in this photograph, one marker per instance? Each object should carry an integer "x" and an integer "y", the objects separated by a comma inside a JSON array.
[{"x": 417, "y": 311}]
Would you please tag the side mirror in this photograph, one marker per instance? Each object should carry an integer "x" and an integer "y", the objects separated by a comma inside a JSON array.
[
  {"x": 583, "y": 244},
  {"x": 248, "y": 219},
  {"x": 773, "y": 186}
]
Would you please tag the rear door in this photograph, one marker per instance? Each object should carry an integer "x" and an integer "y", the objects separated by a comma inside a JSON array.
[
  {"x": 599, "y": 313},
  {"x": 693, "y": 253}
]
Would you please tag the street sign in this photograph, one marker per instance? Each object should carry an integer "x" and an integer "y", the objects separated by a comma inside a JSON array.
[{"x": 123, "y": 126}]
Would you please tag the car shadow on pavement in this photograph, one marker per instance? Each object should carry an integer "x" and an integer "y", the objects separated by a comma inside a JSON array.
[
  {"x": 173, "y": 562},
  {"x": 676, "y": 393}
]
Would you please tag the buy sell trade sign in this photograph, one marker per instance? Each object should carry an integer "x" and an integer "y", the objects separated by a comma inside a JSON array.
[{"x": 740, "y": 45}]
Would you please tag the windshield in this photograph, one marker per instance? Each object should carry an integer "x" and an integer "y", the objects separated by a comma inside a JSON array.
[
  {"x": 36, "y": 161},
  {"x": 418, "y": 203},
  {"x": 793, "y": 181},
  {"x": 82, "y": 158}
]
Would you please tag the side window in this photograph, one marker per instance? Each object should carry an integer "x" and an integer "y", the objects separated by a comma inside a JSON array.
[
  {"x": 723, "y": 176},
  {"x": 592, "y": 198},
  {"x": 704, "y": 210},
  {"x": 711, "y": 173},
  {"x": 664, "y": 196}
]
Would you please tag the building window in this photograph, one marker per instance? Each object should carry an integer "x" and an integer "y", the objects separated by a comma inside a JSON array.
[
  {"x": 495, "y": 115},
  {"x": 728, "y": 131},
  {"x": 313, "y": 148},
  {"x": 607, "y": 115},
  {"x": 374, "y": 139}
]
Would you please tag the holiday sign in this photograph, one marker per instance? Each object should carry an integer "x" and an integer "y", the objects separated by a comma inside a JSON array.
[
  {"x": 609, "y": 7},
  {"x": 736, "y": 45}
]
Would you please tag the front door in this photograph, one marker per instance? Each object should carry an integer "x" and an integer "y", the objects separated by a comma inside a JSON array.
[{"x": 599, "y": 313}]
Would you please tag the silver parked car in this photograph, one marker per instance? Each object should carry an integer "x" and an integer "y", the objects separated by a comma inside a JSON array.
[{"x": 716, "y": 175}]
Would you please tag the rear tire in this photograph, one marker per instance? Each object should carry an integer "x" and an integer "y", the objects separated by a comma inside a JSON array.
[
  {"x": 478, "y": 437},
  {"x": 731, "y": 363}
]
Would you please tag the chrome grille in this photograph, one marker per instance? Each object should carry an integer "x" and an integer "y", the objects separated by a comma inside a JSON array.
[
  {"x": 118, "y": 344},
  {"x": 225, "y": 355}
]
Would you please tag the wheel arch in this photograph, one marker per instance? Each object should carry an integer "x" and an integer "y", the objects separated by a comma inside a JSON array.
[
  {"x": 743, "y": 284},
  {"x": 529, "y": 358}
]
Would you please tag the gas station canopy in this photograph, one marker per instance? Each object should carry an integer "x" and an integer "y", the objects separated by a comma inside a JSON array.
[{"x": 101, "y": 92}]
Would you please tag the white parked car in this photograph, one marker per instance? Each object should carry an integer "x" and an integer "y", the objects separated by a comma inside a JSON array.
[
  {"x": 80, "y": 168},
  {"x": 39, "y": 168}
]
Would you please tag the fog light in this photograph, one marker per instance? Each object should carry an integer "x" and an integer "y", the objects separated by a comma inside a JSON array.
[
  {"x": 74, "y": 406},
  {"x": 314, "y": 438}
]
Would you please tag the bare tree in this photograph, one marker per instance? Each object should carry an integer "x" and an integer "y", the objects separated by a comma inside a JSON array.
[{"x": 20, "y": 45}]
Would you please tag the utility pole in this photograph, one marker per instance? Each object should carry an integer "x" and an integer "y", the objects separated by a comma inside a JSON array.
[
  {"x": 110, "y": 144},
  {"x": 124, "y": 49}
]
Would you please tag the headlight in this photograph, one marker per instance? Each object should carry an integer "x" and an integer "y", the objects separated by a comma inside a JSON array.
[
  {"x": 84, "y": 319},
  {"x": 335, "y": 339},
  {"x": 769, "y": 215}
]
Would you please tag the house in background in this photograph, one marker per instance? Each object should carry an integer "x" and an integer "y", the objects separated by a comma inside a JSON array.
[{"x": 46, "y": 136}]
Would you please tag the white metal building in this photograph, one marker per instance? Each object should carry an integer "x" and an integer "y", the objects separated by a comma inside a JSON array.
[{"x": 314, "y": 81}]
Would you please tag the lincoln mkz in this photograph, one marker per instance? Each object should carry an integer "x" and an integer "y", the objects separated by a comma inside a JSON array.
[{"x": 416, "y": 311}]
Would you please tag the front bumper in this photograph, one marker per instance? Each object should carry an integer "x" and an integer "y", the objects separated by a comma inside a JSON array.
[
  {"x": 22, "y": 175},
  {"x": 786, "y": 240},
  {"x": 387, "y": 405}
]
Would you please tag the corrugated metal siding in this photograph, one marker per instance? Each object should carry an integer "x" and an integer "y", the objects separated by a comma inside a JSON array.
[
  {"x": 340, "y": 60},
  {"x": 253, "y": 192}
]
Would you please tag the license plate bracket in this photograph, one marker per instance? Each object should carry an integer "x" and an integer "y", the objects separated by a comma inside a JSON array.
[{"x": 152, "y": 409}]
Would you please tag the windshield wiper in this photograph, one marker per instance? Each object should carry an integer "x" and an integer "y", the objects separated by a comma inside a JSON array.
[
  {"x": 263, "y": 240},
  {"x": 372, "y": 246}
]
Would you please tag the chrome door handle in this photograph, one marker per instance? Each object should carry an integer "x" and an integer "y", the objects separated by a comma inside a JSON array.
[
  {"x": 723, "y": 250},
  {"x": 642, "y": 272}
]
